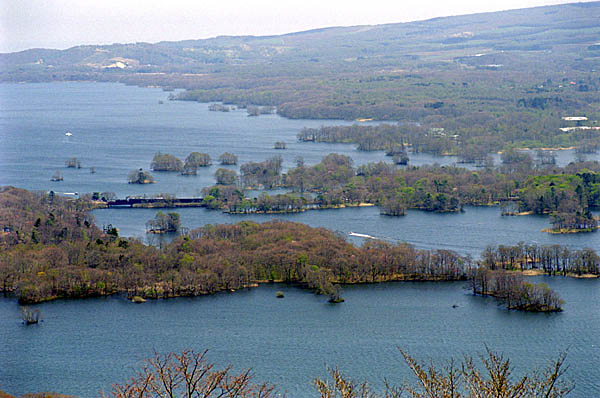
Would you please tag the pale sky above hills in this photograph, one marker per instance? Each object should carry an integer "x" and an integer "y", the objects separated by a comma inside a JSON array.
[{"x": 65, "y": 23}]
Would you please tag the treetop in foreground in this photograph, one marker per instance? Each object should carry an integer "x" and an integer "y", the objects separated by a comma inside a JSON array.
[
  {"x": 189, "y": 374},
  {"x": 492, "y": 377}
]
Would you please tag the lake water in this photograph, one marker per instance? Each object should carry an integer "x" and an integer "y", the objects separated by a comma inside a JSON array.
[
  {"x": 84, "y": 346},
  {"x": 467, "y": 233},
  {"x": 117, "y": 128}
]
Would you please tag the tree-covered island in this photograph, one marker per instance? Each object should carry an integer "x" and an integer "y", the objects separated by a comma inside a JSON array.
[
  {"x": 51, "y": 249},
  {"x": 567, "y": 194},
  {"x": 140, "y": 177}
]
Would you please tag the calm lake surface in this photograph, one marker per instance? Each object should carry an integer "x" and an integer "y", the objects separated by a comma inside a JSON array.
[
  {"x": 466, "y": 233},
  {"x": 84, "y": 346},
  {"x": 117, "y": 128}
]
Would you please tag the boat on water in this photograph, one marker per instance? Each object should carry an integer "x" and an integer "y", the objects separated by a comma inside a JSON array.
[{"x": 68, "y": 134}]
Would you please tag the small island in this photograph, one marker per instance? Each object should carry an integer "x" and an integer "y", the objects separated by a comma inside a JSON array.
[
  {"x": 514, "y": 292},
  {"x": 393, "y": 207},
  {"x": 166, "y": 162},
  {"x": 140, "y": 176},
  {"x": 219, "y": 108},
  {"x": 226, "y": 177},
  {"x": 194, "y": 161},
  {"x": 335, "y": 293},
  {"x": 228, "y": 159},
  {"x": 163, "y": 223},
  {"x": 401, "y": 159},
  {"x": 577, "y": 221}
]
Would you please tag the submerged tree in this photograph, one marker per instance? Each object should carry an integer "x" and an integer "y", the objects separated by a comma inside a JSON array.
[
  {"x": 57, "y": 176},
  {"x": 30, "y": 316},
  {"x": 73, "y": 163},
  {"x": 227, "y": 158},
  {"x": 166, "y": 162},
  {"x": 254, "y": 110},
  {"x": 197, "y": 159}
]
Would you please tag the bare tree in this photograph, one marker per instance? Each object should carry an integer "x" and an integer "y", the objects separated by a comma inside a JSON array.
[
  {"x": 434, "y": 382},
  {"x": 496, "y": 381},
  {"x": 189, "y": 375},
  {"x": 340, "y": 386},
  {"x": 459, "y": 380}
]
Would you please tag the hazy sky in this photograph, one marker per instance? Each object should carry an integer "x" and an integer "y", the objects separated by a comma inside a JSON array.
[{"x": 66, "y": 23}]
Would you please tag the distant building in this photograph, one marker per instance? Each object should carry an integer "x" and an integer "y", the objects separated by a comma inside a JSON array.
[{"x": 568, "y": 129}]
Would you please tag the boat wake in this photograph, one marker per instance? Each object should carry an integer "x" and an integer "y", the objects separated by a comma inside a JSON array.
[{"x": 361, "y": 235}]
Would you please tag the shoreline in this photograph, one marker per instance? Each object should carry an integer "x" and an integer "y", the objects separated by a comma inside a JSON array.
[
  {"x": 568, "y": 148},
  {"x": 566, "y": 231},
  {"x": 515, "y": 214},
  {"x": 162, "y": 293},
  {"x": 542, "y": 272}
]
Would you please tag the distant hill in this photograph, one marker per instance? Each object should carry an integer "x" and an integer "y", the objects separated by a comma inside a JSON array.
[
  {"x": 568, "y": 34},
  {"x": 501, "y": 75}
]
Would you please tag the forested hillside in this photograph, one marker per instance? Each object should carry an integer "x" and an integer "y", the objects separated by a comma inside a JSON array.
[{"x": 527, "y": 37}]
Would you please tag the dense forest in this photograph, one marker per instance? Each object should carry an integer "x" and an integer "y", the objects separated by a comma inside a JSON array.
[
  {"x": 568, "y": 194},
  {"x": 51, "y": 249},
  {"x": 519, "y": 184},
  {"x": 477, "y": 112},
  {"x": 472, "y": 140}
]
